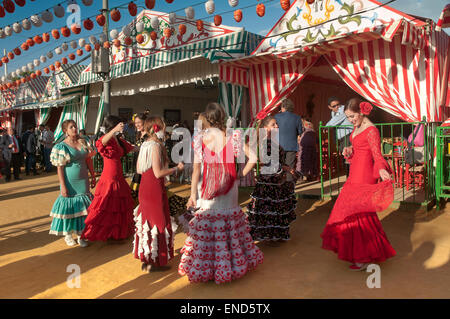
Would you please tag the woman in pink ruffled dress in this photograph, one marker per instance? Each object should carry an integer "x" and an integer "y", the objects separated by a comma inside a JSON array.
[{"x": 353, "y": 230}]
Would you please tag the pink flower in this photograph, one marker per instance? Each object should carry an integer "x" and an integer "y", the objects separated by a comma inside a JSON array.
[{"x": 366, "y": 108}]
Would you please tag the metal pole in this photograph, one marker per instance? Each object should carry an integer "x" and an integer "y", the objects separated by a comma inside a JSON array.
[
  {"x": 6, "y": 64},
  {"x": 444, "y": 85},
  {"x": 106, "y": 79}
]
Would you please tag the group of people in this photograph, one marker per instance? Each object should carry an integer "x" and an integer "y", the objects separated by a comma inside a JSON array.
[{"x": 220, "y": 243}]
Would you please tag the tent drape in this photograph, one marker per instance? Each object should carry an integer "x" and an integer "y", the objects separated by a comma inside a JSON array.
[
  {"x": 44, "y": 115},
  {"x": 71, "y": 111},
  {"x": 231, "y": 98},
  {"x": 98, "y": 121}
]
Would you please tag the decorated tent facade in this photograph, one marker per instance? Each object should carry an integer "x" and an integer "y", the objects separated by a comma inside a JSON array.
[{"x": 391, "y": 59}]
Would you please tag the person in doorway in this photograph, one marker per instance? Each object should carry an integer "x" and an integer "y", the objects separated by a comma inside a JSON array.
[
  {"x": 338, "y": 118},
  {"x": 290, "y": 128},
  {"x": 16, "y": 154},
  {"x": 5, "y": 143},
  {"x": 47, "y": 140},
  {"x": 29, "y": 146},
  {"x": 307, "y": 161},
  {"x": 353, "y": 230}
]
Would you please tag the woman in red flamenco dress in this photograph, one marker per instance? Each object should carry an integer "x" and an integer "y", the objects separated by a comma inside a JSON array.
[
  {"x": 353, "y": 230},
  {"x": 110, "y": 215}
]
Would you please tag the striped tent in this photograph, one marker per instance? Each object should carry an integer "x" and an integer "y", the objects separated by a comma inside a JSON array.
[{"x": 391, "y": 59}]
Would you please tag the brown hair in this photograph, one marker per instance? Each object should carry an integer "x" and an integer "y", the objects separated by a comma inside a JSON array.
[
  {"x": 150, "y": 132},
  {"x": 353, "y": 105},
  {"x": 215, "y": 115},
  {"x": 66, "y": 123}
]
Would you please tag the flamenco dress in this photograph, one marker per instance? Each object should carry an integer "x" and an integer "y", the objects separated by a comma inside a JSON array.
[
  {"x": 110, "y": 215},
  {"x": 219, "y": 246},
  {"x": 353, "y": 230},
  {"x": 69, "y": 213},
  {"x": 272, "y": 206}
]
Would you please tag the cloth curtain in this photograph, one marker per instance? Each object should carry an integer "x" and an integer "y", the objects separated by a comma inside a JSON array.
[
  {"x": 231, "y": 98},
  {"x": 44, "y": 115},
  {"x": 71, "y": 111},
  {"x": 101, "y": 109}
]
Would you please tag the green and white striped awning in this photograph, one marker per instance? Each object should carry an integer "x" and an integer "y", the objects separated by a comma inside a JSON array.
[{"x": 43, "y": 105}]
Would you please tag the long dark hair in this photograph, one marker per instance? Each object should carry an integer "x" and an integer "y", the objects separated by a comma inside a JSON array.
[
  {"x": 215, "y": 115},
  {"x": 142, "y": 117},
  {"x": 110, "y": 122}
]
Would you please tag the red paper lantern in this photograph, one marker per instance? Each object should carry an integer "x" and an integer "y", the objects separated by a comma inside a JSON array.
[
  {"x": 25, "y": 46},
  {"x": 28, "y": 78},
  {"x": 88, "y": 24},
  {"x": 33, "y": 76},
  {"x": 38, "y": 39},
  {"x": 182, "y": 29},
  {"x": 101, "y": 20},
  {"x": 2, "y": 12},
  {"x": 88, "y": 48},
  {"x": 64, "y": 60},
  {"x": 199, "y": 25},
  {"x": 260, "y": 9},
  {"x": 106, "y": 45},
  {"x": 17, "y": 82},
  {"x": 238, "y": 15},
  {"x": 17, "y": 51},
  {"x": 10, "y": 55},
  {"x": 75, "y": 28},
  {"x": 132, "y": 9},
  {"x": 9, "y": 6},
  {"x": 72, "y": 56},
  {"x": 150, "y": 4},
  {"x": 52, "y": 67},
  {"x": 46, "y": 71},
  {"x": 169, "y": 1},
  {"x": 97, "y": 46},
  {"x": 5, "y": 59},
  {"x": 55, "y": 34},
  {"x": 65, "y": 31},
  {"x": 310, "y": 1},
  {"x": 115, "y": 15},
  {"x": 140, "y": 38},
  {"x": 167, "y": 32},
  {"x": 153, "y": 35},
  {"x": 30, "y": 42},
  {"x": 45, "y": 37},
  {"x": 38, "y": 72},
  {"x": 285, "y": 4},
  {"x": 80, "y": 52},
  {"x": 20, "y": 3},
  {"x": 217, "y": 20},
  {"x": 128, "y": 41},
  {"x": 117, "y": 43},
  {"x": 57, "y": 64},
  {"x": 23, "y": 80},
  {"x": 9, "y": 85}
]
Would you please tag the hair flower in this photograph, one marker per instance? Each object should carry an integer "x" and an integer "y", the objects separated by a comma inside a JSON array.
[
  {"x": 155, "y": 128},
  {"x": 366, "y": 108}
]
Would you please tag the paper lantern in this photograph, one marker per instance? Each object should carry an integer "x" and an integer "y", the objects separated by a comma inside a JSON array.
[
  {"x": 132, "y": 8},
  {"x": 46, "y": 71},
  {"x": 115, "y": 15},
  {"x": 65, "y": 46},
  {"x": 47, "y": 16},
  {"x": 45, "y": 37},
  {"x": 238, "y": 15},
  {"x": 49, "y": 54},
  {"x": 64, "y": 61},
  {"x": 59, "y": 11},
  {"x": 167, "y": 32},
  {"x": 65, "y": 31},
  {"x": 210, "y": 6},
  {"x": 93, "y": 40},
  {"x": 17, "y": 51},
  {"x": 190, "y": 13},
  {"x": 24, "y": 69},
  {"x": 13, "y": 74},
  {"x": 103, "y": 37},
  {"x": 106, "y": 44},
  {"x": 217, "y": 20},
  {"x": 5, "y": 59},
  {"x": 169, "y": 1},
  {"x": 2, "y": 12},
  {"x": 55, "y": 34},
  {"x": 25, "y": 46},
  {"x": 285, "y": 4},
  {"x": 117, "y": 43},
  {"x": 182, "y": 29},
  {"x": 199, "y": 25},
  {"x": 36, "y": 20},
  {"x": 153, "y": 35},
  {"x": 30, "y": 67},
  {"x": 2, "y": 34},
  {"x": 87, "y": 3},
  {"x": 43, "y": 58},
  {"x": 51, "y": 67},
  {"x": 9, "y": 6},
  {"x": 17, "y": 27},
  {"x": 310, "y": 1},
  {"x": 8, "y": 31},
  {"x": 80, "y": 52},
  {"x": 172, "y": 18},
  {"x": 58, "y": 51},
  {"x": 37, "y": 39},
  {"x": 97, "y": 46},
  {"x": 88, "y": 24},
  {"x": 10, "y": 55},
  {"x": 24, "y": 80},
  {"x": 72, "y": 56},
  {"x": 28, "y": 78},
  {"x": 30, "y": 42},
  {"x": 38, "y": 72},
  {"x": 88, "y": 48},
  {"x": 73, "y": 44},
  {"x": 154, "y": 22},
  {"x": 113, "y": 34},
  {"x": 9, "y": 85},
  {"x": 17, "y": 82},
  {"x": 140, "y": 27},
  {"x": 76, "y": 28},
  {"x": 36, "y": 62},
  {"x": 140, "y": 39},
  {"x": 100, "y": 20},
  {"x": 233, "y": 3},
  {"x": 260, "y": 10},
  {"x": 126, "y": 30},
  {"x": 26, "y": 24},
  {"x": 150, "y": 4},
  {"x": 128, "y": 41},
  {"x": 82, "y": 42},
  {"x": 33, "y": 76},
  {"x": 20, "y": 3}
]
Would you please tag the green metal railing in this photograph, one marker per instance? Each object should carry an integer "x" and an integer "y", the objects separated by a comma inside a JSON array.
[
  {"x": 442, "y": 164},
  {"x": 128, "y": 164},
  {"x": 394, "y": 144}
]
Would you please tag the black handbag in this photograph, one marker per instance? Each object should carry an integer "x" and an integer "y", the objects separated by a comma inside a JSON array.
[{"x": 414, "y": 155}]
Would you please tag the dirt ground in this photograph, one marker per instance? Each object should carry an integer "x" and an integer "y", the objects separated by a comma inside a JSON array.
[{"x": 33, "y": 264}]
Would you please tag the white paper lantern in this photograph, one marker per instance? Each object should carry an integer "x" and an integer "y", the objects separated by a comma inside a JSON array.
[
  {"x": 17, "y": 28},
  {"x": 36, "y": 20},
  {"x": 233, "y": 3},
  {"x": 92, "y": 40},
  {"x": 50, "y": 54},
  {"x": 59, "y": 11},
  {"x": 36, "y": 62},
  {"x": 82, "y": 42},
  {"x": 154, "y": 22},
  {"x": 190, "y": 13},
  {"x": 3, "y": 78},
  {"x": 87, "y": 3},
  {"x": 47, "y": 16},
  {"x": 73, "y": 44},
  {"x": 58, "y": 51},
  {"x": 30, "y": 67},
  {"x": 113, "y": 34},
  {"x": 13, "y": 74},
  {"x": 126, "y": 30},
  {"x": 2, "y": 33},
  {"x": 210, "y": 6},
  {"x": 24, "y": 69},
  {"x": 140, "y": 27},
  {"x": 172, "y": 18},
  {"x": 18, "y": 72},
  {"x": 8, "y": 31},
  {"x": 65, "y": 46},
  {"x": 26, "y": 24},
  {"x": 43, "y": 59},
  {"x": 102, "y": 38}
]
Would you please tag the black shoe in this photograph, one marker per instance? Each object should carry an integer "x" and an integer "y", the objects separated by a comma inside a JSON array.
[{"x": 17, "y": 179}]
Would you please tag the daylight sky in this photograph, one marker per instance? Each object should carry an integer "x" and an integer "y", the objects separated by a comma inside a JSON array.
[{"x": 251, "y": 22}]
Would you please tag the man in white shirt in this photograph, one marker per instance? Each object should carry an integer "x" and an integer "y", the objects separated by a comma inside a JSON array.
[
  {"x": 338, "y": 118},
  {"x": 47, "y": 139}
]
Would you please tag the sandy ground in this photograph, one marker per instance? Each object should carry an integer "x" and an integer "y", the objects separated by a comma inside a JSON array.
[{"x": 33, "y": 264}]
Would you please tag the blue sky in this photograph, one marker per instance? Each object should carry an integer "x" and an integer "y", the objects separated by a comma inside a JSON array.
[{"x": 253, "y": 23}]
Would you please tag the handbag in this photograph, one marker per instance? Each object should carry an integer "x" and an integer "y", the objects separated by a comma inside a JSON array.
[{"x": 414, "y": 155}]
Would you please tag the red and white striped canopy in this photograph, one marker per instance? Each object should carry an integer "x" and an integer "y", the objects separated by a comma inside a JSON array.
[{"x": 444, "y": 20}]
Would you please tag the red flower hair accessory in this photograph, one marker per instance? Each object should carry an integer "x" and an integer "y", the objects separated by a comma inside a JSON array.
[
  {"x": 261, "y": 115},
  {"x": 155, "y": 128},
  {"x": 366, "y": 108}
]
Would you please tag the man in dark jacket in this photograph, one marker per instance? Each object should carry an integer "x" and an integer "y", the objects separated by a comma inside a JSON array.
[
  {"x": 29, "y": 145},
  {"x": 290, "y": 128}
]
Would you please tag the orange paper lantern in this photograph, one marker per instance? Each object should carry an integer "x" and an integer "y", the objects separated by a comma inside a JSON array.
[
  {"x": 150, "y": 4},
  {"x": 52, "y": 67},
  {"x": 97, "y": 46},
  {"x": 46, "y": 71},
  {"x": 115, "y": 15},
  {"x": 23, "y": 80},
  {"x": 106, "y": 45},
  {"x": 88, "y": 24},
  {"x": 5, "y": 59},
  {"x": 132, "y": 8},
  {"x": 57, "y": 64},
  {"x": 17, "y": 51},
  {"x": 128, "y": 41},
  {"x": 33, "y": 76},
  {"x": 101, "y": 20},
  {"x": 182, "y": 29},
  {"x": 217, "y": 20},
  {"x": 65, "y": 31},
  {"x": 72, "y": 56},
  {"x": 55, "y": 34},
  {"x": 260, "y": 9},
  {"x": 199, "y": 25},
  {"x": 37, "y": 39},
  {"x": 153, "y": 35},
  {"x": 25, "y": 46},
  {"x": 10, "y": 55},
  {"x": 80, "y": 52},
  {"x": 285, "y": 4},
  {"x": 45, "y": 37},
  {"x": 140, "y": 38},
  {"x": 75, "y": 28},
  {"x": 238, "y": 15},
  {"x": 30, "y": 42},
  {"x": 117, "y": 43},
  {"x": 88, "y": 48},
  {"x": 64, "y": 60},
  {"x": 167, "y": 32},
  {"x": 38, "y": 72}
]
